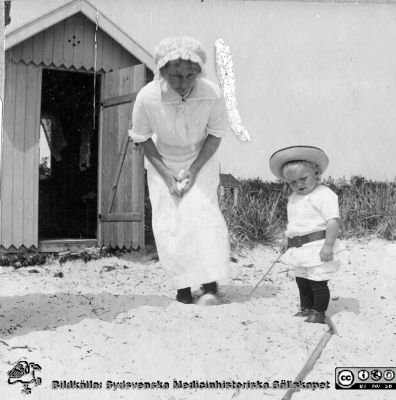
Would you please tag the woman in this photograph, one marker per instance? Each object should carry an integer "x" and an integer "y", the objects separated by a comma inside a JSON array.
[{"x": 180, "y": 118}]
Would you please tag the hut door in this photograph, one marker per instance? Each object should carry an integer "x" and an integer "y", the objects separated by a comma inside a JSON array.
[{"x": 121, "y": 181}]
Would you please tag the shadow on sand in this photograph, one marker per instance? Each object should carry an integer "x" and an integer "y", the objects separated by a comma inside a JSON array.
[
  {"x": 22, "y": 314},
  {"x": 239, "y": 293},
  {"x": 348, "y": 304}
]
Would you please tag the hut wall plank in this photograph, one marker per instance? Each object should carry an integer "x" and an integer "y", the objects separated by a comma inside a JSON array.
[
  {"x": 16, "y": 52},
  {"x": 109, "y": 148},
  {"x": 119, "y": 236},
  {"x": 107, "y": 52},
  {"x": 116, "y": 55},
  {"x": 37, "y": 157},
  {"x": 68, "y": 41},
  {"x": 48, "y": 46},
  {"x": 89, "y": 46},
  {"x": 27, "y": 51},
  {"x": 125, "y": 185},
  {"x": 18, "y": 161},
  {"x": 78, "y": 52},
  {"x": 59, "y": 32},
  {"x": 112, "y": 154},
  {"x": 38, "y": 48},
  {"x": 139, "y": 80},
  {"x": 30, "y": 167},
  {"x": 99, "y": 54},
  {"x": 137, "y": 192},
  {"x": 7, "y": 155}
]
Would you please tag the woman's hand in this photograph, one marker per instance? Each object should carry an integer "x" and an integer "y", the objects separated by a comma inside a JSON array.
[
  {"x": 326, "y": 253},
  {"x": 151, "y": 152},
  {"x": 171, "y": 182},
  {"x": 188, "y": 176}
]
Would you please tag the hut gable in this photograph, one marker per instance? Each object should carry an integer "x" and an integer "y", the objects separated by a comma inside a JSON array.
[
  {"x": 63, "y": 13},
  {"x": 71, "y": 44}
]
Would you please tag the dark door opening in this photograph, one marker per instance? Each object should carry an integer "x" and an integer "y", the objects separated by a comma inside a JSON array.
[{"x": 68, "y": 186}]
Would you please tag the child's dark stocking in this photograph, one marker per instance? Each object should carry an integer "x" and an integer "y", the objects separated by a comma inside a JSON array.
[
  {"x": 306, "y": 297},
  {"x": 321, "y": 296}
]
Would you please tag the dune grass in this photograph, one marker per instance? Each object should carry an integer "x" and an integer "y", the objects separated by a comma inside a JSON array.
[{"x": 367, "y": 208}]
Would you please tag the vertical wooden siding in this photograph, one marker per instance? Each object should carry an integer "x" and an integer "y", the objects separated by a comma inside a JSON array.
[
  {"x": 20, "y": 153},
  {"x": 130, "y": 190},
  {"x": 19, "y": 173},
  {"x": 71, "y": 44}
]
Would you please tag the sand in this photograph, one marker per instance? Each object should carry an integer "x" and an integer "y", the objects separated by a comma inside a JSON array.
[{"x": 115, "y": 320}]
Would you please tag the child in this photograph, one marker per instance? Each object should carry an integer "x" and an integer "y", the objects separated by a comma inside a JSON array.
[{"x": 313, "y": 224}]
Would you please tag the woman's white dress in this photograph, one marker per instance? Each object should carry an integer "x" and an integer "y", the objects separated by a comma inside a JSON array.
[{"x": 190, "y": 232}]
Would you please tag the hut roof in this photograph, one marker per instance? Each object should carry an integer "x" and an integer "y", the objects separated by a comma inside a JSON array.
[
  {"x": 228, "y": 180},
  {"x": 19, "y": 34}
]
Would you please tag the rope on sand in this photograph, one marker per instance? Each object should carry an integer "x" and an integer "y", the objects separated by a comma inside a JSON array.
[{"x": 313, "y": 357}]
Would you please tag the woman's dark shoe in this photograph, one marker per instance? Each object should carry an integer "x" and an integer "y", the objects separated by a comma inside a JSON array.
[
  {"x": 210, "y": 288},
  {"x": 304, "y": 312},
  {"x": 184, "y": 296},
  {"x": 316, "y": 317}
]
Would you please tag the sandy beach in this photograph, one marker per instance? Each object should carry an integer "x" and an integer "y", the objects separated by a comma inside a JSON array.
[{"x": 114, "y": 321}]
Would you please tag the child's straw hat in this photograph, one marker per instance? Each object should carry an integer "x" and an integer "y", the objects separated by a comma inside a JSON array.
[{"x": 297, "y": 153}]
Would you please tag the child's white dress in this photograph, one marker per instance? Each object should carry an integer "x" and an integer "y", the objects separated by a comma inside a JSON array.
[
  {"x": 306, "y": 214},
  {"x": 190, "y": 232}
]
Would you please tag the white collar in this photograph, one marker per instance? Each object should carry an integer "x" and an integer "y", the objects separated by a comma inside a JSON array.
[{"x": 202, "y": 90}]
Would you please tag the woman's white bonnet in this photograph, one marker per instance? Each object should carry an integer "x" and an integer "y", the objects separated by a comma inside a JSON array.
[{"x": 173, "y": 48}]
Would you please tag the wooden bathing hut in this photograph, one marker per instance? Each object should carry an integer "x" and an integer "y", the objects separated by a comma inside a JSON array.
[
  {"x": 66, "y": 182},
  {"x": 229, "y": 186}
]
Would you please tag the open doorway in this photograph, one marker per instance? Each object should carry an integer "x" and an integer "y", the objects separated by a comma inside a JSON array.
[{"x": 68, "y": 170}]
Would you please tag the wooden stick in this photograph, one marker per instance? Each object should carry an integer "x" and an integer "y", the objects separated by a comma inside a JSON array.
[
  {"x": 312, "y": 359},
  {"x": 269, "y": 270}
]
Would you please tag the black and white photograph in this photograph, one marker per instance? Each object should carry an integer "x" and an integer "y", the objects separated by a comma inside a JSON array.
[{"x": 197, "y": 199}]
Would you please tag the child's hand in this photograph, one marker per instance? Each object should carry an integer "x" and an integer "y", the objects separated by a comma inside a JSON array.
[
  {"x": 326, "y": 253},
  {"x": 284, "y": 244}
]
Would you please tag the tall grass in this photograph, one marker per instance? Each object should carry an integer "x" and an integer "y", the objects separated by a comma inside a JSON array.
[
  {"x": 259, "y": 215},
  {"x": 367, "y": 208}
]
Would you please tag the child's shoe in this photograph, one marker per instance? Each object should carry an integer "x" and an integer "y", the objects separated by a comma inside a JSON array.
[
  {"x": 316, "y": 317},
  {"x": 304, "y": 312},
  {"x": 184, "y": 296}
]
